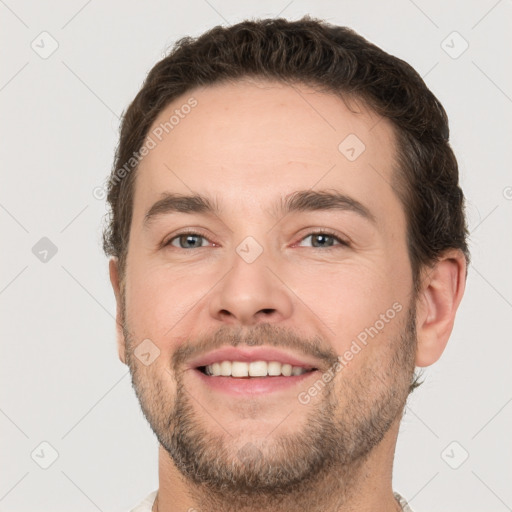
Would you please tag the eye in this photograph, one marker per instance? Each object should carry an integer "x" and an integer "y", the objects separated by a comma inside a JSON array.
[
  {"x": 321, "y": 239},
  {"x": 187, "y": 240}
]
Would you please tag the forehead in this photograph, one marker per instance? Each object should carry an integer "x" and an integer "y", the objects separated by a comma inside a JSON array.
[{"x": 252, "y": 142}]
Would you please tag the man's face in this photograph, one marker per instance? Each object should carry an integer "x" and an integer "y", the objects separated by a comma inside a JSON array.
[{"x": 300, "y": 287}]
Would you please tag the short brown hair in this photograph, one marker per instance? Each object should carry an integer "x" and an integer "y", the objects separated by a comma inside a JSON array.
[{"x": 333, "y": 59}]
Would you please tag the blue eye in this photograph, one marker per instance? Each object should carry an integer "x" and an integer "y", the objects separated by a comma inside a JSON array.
[
  {"x": 324, "y": 239},
  {"x": 319, "y": 239},
  {"x": 187, "y": 238}
]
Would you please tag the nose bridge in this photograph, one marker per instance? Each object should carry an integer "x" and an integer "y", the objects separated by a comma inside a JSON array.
[{"x": 250, "y": 292}]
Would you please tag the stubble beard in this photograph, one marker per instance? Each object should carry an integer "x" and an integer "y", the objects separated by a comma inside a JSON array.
[{"x": 327, "y": 453}]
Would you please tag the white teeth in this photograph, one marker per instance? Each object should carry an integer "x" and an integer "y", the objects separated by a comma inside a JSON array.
[
  {"x": 225, "y": 369},
  {"x": 274, "y": 368},
  {"x": 258, "y": 369},
  {"x": 286, "y": 370},
  {"x": 241, "y": 369}
]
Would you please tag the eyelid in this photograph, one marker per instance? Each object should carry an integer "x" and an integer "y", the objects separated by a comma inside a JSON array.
[
  {"x": 190, "y": 231},
  {"x": 314, "y": 231},
  {"x": 343, "y": 241}
]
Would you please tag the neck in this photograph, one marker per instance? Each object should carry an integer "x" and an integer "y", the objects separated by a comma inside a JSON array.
[{"x": 365, "y": 487}]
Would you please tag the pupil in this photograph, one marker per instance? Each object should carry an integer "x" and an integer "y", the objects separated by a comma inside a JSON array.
[
  {"x": 322, "y": 237},
  {"x": 190, "y": 239}
]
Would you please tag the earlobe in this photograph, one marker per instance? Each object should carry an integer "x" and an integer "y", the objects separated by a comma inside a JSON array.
[
  {"x": 114, "y": 280},
  {"x": 438, "y": 300}
]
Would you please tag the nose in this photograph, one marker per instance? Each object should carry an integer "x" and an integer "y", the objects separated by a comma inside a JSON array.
[{"x": 251, "y": 293}]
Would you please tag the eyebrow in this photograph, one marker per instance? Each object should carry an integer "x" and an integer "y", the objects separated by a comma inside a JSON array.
[{"x": 299, "y": 201}]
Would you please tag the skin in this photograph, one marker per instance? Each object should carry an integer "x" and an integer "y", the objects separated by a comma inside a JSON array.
[{"x": 248, "y": 145}]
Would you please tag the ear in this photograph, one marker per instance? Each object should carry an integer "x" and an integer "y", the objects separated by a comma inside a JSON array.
[
  {"x": 438, "y": 299},
  {"x": 113, "y": 267}
]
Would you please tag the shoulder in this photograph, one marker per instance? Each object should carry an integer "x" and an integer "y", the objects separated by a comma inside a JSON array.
[
  {"x": 147, "y": 504},
  {"x": 403, "y": 502}
]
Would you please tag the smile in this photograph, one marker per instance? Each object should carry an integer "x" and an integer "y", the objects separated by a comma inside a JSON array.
[{"x": 242, "y": 369}]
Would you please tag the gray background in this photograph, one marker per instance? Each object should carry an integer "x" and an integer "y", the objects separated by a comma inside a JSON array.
[{"x": 61, "y": 380}]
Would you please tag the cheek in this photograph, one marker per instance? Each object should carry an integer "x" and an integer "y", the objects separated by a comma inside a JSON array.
[
  {"x": 158, "y": 299},
  {"x": 361, "y": 303}
]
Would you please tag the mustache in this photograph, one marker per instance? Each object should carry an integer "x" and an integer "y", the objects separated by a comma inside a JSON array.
[{"x": 261, "y": 334}]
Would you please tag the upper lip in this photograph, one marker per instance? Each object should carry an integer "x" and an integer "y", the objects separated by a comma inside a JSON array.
[{"x": 251, "y": 354}]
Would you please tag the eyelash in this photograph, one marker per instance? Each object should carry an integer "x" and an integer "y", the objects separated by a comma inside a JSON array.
[{"x": 342, "y": 242}]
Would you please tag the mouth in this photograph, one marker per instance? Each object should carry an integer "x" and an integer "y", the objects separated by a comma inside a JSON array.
[
  {"x": 254, "y": 377},
  {"x": 253, "y": 369}
]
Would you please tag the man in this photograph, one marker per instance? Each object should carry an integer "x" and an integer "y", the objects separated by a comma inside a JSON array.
[{"x": 311, "y": 174}]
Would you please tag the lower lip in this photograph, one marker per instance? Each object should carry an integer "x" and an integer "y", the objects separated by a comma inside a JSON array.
[{"x": 254, "y": 385}]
